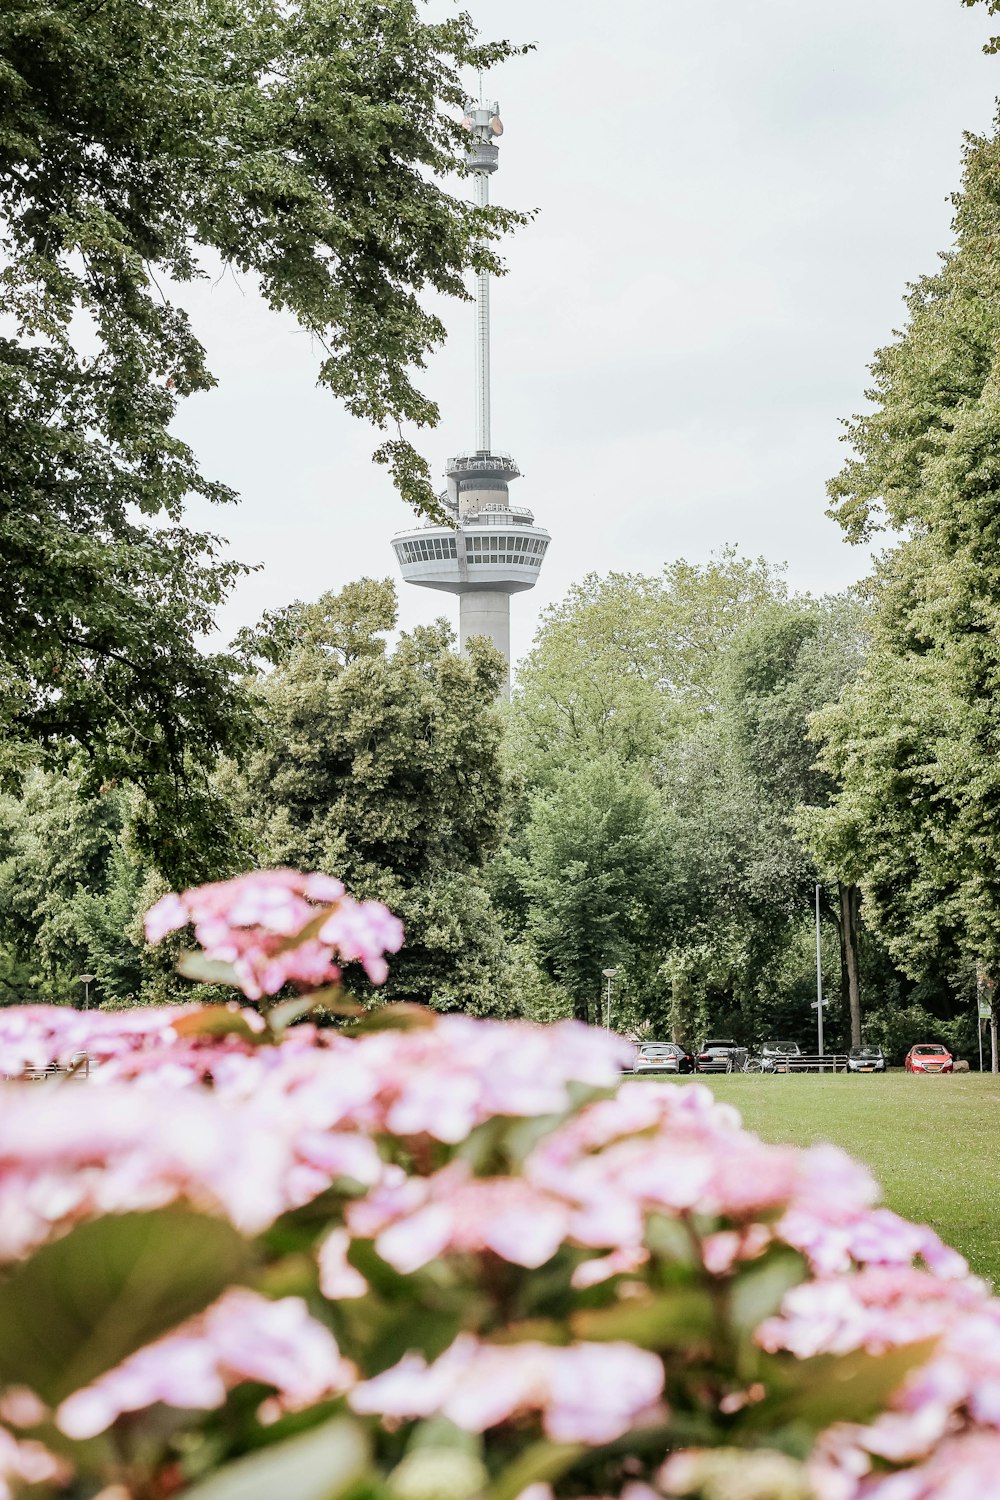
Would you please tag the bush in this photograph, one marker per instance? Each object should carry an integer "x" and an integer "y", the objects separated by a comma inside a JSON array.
[{"x": 409, "y": 1257}]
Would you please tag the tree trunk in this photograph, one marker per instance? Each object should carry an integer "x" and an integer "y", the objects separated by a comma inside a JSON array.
[
  {"x": 850, "y": 903},
  {"x": 680, "y": 994},
  {"x": 985, "y": 991},
  {"x": 845, "y": 984}
]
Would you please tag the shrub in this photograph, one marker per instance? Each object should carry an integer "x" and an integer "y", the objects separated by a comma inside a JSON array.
[{"x": 408, "y": 1257}]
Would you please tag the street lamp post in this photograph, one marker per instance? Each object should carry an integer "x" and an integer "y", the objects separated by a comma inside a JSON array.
[
  {"x": 819, "y": 1001},
  {"x": 609, "y": 974},
  {"x": 86, "y": 980}
]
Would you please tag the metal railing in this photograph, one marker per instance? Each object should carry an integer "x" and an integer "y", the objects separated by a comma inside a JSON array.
[{"x": 827, "y": 1062}]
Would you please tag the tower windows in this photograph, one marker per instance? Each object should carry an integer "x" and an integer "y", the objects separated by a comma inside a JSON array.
[
  {"x": 426, "y": 549},
  {"x": 527, "y": 551},
  {"x": 498, "y": 550}
]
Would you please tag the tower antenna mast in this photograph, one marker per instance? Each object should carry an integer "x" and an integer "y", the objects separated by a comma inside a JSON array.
[{"x": 484, "y": 126}]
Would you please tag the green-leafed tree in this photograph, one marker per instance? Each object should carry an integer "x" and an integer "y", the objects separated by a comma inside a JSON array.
[
  {"x": 913, "y": 744},
  {"x": 628, "y": 673},
  {"x": 784, "y": 665},
  {"x": 72, "y": 891},
  {"x": 993, "y": 7},
  {"x": 625, "y": 664},
  {"x": 591, "y": 872},
  {"x": 385, "y": 768},
  {"x": 746, "y": 884},
  {"x": 306, "y": 143}
]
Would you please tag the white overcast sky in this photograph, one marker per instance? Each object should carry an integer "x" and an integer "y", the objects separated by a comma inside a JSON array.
[{"x": 731, "y": 197}]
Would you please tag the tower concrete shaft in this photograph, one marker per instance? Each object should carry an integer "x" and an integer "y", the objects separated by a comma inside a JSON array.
[{"x": 486, "y": 613}]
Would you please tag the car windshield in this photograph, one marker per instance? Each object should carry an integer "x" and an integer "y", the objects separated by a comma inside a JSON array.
[
  {"x": 931, "y": 1051},
  {"x": 782, "y": 1047},
  {"x": 657, "y": 1047},
  {"x": 866, "y": 1052}
]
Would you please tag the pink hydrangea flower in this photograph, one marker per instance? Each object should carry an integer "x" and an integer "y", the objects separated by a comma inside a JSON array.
[
  {"x": 251, "y": 922},
  {"x": 415, "y": 1220},
  {"x": 603, "y": 1267},
  {"x": 241, "y": 1337},
  {"x": 962, "y": 1468},
  {"x": 364, "y": 931},
  {"x": 37, "y": 1036},
  {"x": 248, "y": 1157},
  {"x": 338, "y": 1279},
  {"x": 25, "y": 1462},
  {"x": 586, "y": 1393},
  {"x": 258, "y": 1129}
]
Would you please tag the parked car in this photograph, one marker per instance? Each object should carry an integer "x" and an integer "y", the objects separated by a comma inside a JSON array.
[
  {"x": 866, "y": 1060},
  {"x": 773, "y": 1053},
  {"x": 720, "y": 1056},
  {"x": 662, "y": 1057},
  {"x": 929, "y": 1057}
]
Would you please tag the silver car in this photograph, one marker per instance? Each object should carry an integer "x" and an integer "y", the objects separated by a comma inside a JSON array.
[
  {"x": 774, "y": 1054},
  {"x": 660, "y": 1057}
]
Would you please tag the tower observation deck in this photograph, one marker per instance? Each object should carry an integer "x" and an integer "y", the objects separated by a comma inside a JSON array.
[{"x": 488, "y": 549}]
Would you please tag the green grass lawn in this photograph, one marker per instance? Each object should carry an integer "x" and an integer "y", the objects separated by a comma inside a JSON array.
[{"x": 933, "y": 1143}]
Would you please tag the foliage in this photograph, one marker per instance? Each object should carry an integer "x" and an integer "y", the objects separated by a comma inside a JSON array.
[
  {"x": 66, "y": 895},
  {"x": 694, "y": 693},
  {"x": 73, "y": 887},
  {"x": 993, "y": 6},
  {"x": 786, "y": 663},
  {"x": 303, "y": 143},
  {"x": 457, "y": 1260},
  {"x": 611, "y": 726},
  {"x": 591, "y": 872},
  {"x": 387, "y": 765},
  {"x": 913, "y": 742},
  {"x": 623, "y": 663}
]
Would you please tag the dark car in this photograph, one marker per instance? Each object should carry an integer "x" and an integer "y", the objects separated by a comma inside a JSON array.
[
  {"x": 662, "y": 1057},
  {"x": 720, "y": 1055},
  {"x": 866, "y": 1060}
]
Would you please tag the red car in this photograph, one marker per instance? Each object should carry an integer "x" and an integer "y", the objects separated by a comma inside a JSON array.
[{"x": 928, "y": 1057}]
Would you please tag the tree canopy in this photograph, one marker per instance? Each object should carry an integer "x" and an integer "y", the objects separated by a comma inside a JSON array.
[
  {"x": 625, "y": 663},
  {"x": 662, "y": 726},
  {"x": 305, "y": 143},
  {"x": 913, "y": 743},
  {"x": 386, "y": 768}
]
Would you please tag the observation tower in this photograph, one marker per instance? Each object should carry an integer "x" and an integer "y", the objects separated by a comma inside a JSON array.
[{"x": 489, "y": 549}]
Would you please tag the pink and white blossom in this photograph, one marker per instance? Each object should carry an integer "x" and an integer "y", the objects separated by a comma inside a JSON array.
[
  {"x": 338, "y": 1279},
  {"x": 410, "y": 1137},
  {"x": 587, "y": 1393},
  {"x": 26, "y": 1462},
  {"x": 252, "y": 921},
  {"x": 241, "y": 1337}
]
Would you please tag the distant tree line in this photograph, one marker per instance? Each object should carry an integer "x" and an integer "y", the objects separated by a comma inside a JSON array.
[{"x": 645, "y": 803}]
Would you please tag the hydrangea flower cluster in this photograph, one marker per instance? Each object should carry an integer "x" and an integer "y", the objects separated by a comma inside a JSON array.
[
  {"x": 587, "y": 1393},
  {"x": 279, "y": 926},
  {"x": 241, "y": 1337},
  {"x": 474, "y": 1228}
]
